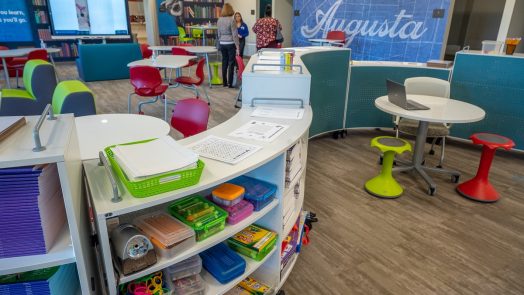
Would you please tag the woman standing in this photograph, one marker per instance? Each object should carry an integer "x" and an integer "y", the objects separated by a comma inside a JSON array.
[
  {"x": 243, "y": 32},
  {"x": 266, "y": 30},
  {"x": 229, "y": 43}
]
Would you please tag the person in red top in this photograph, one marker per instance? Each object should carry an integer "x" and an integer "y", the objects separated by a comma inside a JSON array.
[{"x": 266, "y": 30}]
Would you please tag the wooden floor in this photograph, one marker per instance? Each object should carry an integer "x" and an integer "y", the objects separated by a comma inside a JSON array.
[{"x": 416, "y": 244}]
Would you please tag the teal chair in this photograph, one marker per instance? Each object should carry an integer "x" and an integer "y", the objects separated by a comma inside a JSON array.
[
  {"x": 73, "y": 97},
  {"x": 39, "y": 83}
]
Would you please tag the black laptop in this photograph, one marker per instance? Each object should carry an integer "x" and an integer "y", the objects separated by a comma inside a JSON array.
[{"x": 397, "y": 96}]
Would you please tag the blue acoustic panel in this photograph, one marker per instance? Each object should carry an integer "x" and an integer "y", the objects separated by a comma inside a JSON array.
[
  {"x": 392, "y": 30},
  {"x": 329, "y": 75},
  {"x": 496, "y": 84},
  {"x": 367, "y": 83}
]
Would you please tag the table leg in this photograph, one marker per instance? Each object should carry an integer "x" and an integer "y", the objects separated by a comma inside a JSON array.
[
  {"x": 208, "y": 69},
  {"x": 53, "y": 63},
  {"x": 6, "y": 73}
]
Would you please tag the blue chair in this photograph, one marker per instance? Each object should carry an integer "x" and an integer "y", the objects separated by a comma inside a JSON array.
[{"x": 39, "y": 82}]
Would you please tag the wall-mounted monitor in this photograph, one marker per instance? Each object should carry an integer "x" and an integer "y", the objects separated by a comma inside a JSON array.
[
  {"x": 88, "y": 17},
  {"x": 15, "y": 25}
]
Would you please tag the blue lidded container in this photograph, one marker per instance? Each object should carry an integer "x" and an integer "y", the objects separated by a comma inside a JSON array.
[
  {"x": 223, "y": 263},
  {"x": 258, "y": 192}
]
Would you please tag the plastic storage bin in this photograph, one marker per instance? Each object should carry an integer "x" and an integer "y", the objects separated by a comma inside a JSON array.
[
  {"x": 254, "y": 287},
  {"x": 192, "y": 285},
  {"x": 203, "y": 216},
  {"x": 492, "y": 47},
  {"x": 167, "y": 234},
  {"x": 189, "y": 267},
  {"x": 223, "y": 263},
  {"x": 228, "y": 194},
  {"x": 237, "y": 290},
  {"x": 239, "y": 212},
  {"x": 259, "y": 193},
  {"x": 253, "y": 241}
]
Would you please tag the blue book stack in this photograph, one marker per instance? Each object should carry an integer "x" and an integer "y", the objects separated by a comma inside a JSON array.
[
  {"x": 32, "y": 213},
  {"x": 63, "y": 281}
]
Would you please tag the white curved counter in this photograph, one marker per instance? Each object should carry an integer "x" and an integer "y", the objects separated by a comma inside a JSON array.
[{"x": 268, "y": 163}]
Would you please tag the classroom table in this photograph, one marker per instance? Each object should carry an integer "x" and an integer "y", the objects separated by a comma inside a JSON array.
[
  {"x": 324, "y": 41},
  {"x": 19, "y": 53},
  {"x": 197, "y": 50},
  {"x": 204, "y": 28},
  {"x": 97, "y": 132},
  {"x": 442, "y": 110},
  {"x": 164, "y": 61}
]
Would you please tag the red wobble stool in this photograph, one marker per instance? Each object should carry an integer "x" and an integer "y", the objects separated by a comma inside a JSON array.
[{"x": 479, "y": 188}]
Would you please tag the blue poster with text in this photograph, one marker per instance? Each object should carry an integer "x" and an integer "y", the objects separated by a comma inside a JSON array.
[
  {"x": 15, "y": 25},
  {"x": 392, "y": 30}
]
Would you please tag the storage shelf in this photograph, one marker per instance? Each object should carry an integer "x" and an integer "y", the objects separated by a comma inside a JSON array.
[
  {"x": 229, "y": 231},
  {"x": 287, "y": 270},
  {"x": 61, "y": 253},
  {"x": 213, "y": 287}
]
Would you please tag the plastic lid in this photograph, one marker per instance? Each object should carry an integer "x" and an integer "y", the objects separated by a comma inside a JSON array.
[
  {"x": 164, "y": 228},
  {"x": 228, "y": 191},
  {"x": 222, "y": 261},
  {"x": 192, "y": 262},
  {"x": 197, "y": 212},
  {"x": 255, "y": 189},
  {"x": 193, "y": 283},
  {"x": 239, "y": 208}
]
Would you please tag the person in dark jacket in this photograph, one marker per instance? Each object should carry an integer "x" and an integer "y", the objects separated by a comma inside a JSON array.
[{"x": 243, "y": 32}]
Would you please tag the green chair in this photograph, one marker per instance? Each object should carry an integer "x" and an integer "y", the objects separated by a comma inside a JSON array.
[
  {"x": 39, "y": 83},
  {"x": 182, "y": 37},
  {"x": 215, "y": 78},
  {"x": 73, "y": 97},
  {"x": 384, "y": 185}
]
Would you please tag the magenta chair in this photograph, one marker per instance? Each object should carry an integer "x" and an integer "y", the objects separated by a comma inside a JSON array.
[
  {"x": 147, "y": 82},
  {"x": 190, "y": 116}
]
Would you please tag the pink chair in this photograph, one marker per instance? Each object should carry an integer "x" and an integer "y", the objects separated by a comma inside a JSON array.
[
  {"x": 147, "y": 82},
  {"x": 337, "y": 35},
  {"x": 146, "y": 52},
  {"x": 194, "y": 83},
  {"x": 190, "y": 116}
]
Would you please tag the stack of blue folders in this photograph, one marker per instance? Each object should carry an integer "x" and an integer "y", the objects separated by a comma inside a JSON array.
[
  {"x": 32, "y": 213},
  {"x": 64, "y": 281}
]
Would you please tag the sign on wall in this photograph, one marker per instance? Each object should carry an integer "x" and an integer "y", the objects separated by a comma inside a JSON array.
[
  {"x": 14, "y": 22},
  {"x": 395, "y": 30}
]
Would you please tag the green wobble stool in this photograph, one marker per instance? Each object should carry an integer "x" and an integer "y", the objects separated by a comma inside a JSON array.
[
  {"x": 215, "y": 79},
  {"x": 384, "y": 185}
]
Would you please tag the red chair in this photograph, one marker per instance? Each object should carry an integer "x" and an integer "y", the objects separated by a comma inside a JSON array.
[
  {"x": 185, "y": 44},
  {"x": 146, "y": 52},
  {"x": 337, "y": 35},
  {"x": 148, "y": 83},
  {"x": 241, "y": 67},
  {"x": 190, "y": 116},
  {"x": 479, "y": 188},
  {"x": 192, "y": 82},
  {"x": 18, "y": 64},
  {"x": 182, "y": 51}
]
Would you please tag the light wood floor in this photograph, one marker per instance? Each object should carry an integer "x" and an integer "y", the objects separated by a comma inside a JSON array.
[{"x": 416, "y": 244}]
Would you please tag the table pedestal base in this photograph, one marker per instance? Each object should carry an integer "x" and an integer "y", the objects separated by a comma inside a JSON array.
[{"x": 418, "y": 158}]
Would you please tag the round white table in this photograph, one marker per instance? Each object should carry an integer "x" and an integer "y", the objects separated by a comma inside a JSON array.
[
  {"x": 97, "y": 132},
  {"x": 19, "y": 53},
  {"x": 198, "y": 50},
  {"x": 323, "y": 41},
  {"x": 442, "y": 110}
]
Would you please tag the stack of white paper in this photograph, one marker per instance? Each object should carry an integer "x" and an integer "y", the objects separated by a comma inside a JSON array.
[{"x": 159, "y": 156}]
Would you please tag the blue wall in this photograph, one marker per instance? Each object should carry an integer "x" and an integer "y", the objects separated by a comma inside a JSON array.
[
  {"x": 396, "y": 30},
  {"x": 15, "y": 23}
]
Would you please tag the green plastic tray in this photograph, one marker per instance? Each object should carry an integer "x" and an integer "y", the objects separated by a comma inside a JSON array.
[
  {"x": 202, "y": 231},
  {"x": 256, "y": 255},
  {"x": 158, "y": 184}
]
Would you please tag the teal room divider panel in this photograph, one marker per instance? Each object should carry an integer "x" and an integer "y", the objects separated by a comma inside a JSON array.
[
  {"x": 329, "y": 75},
  {"x": 496, "y": 84},
  {"x": 369, "y": 82}
]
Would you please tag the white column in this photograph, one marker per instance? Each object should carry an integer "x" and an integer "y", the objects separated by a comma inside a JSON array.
[
  {"x": 506, "y": 20},
  {"x": 150, "y": 12}
]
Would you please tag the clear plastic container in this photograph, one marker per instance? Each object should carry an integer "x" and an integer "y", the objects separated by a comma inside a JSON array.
[
  {"x": 223, "y": 263},
  {"x": 492, "y": 47},
  {"x": 259, "y": 193},
  {"x": 183, "y": 269},
  {"x": 193, "y": 285},
  {"x": 228, "y": 194},
  {"x": 167, "y": 234},
  {"x": 202, "y": 215}
]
